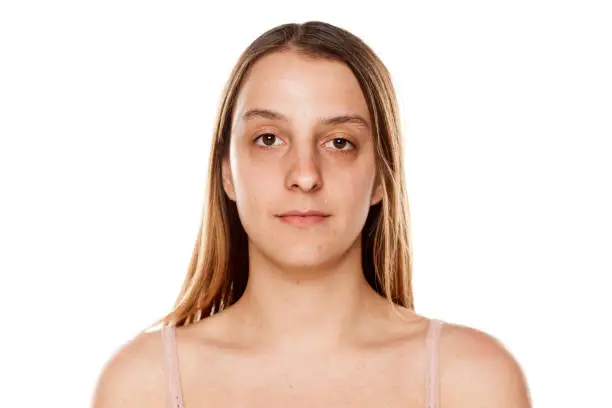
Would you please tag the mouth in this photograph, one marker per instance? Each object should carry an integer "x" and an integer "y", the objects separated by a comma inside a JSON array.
[{"x": 303, "y": 218}]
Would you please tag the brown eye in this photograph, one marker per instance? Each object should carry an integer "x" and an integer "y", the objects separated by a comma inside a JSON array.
[
  {"x": 268, "y": 139},
  {"x": 340, "y": 143}
]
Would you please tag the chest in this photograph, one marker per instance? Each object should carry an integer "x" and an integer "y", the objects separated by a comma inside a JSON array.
[{"x": 364, "y": 381}]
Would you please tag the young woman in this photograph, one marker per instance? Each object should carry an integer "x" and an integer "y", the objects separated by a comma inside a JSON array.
[{"x": 299, "y": 289}]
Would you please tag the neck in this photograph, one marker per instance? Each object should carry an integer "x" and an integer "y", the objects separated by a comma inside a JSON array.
[{"x": 314, "y": 307}]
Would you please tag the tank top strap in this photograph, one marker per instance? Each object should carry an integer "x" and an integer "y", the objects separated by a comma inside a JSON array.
[
  {"x": 171, "y": 367},
  {"x": 432, "y": 366}
]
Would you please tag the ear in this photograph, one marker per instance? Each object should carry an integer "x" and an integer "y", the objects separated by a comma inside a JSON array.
[
  {"x": 228, "y": 184},
  {"x": 377, "y": 193}
]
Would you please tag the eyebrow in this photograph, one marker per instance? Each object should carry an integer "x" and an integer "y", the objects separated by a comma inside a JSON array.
[{"x": 334, "y": 120}]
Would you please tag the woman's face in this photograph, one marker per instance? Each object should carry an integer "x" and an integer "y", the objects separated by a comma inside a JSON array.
[{"x": 301, "y": 141}]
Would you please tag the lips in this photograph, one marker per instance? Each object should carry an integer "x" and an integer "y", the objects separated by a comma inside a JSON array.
[
  {"x": 305, "y": 213},
  {"x": 303, "y": 218}
]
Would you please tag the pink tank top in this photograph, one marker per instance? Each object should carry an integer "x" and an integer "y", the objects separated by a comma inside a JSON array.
[{"x": 175, "y": 397}]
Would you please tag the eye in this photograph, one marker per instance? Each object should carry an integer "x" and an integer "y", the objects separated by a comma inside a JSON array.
[
  {"x": 340, "y": 143},
  {"x": 268, "y": 139}
]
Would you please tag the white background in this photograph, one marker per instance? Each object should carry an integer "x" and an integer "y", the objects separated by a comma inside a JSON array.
[{"x": 106, "y": 115}]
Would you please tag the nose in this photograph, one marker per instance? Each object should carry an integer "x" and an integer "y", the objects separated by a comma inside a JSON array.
[{"x": 304, "y": 169}]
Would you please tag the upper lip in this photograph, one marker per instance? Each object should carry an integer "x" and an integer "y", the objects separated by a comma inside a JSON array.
[{"x": 304, "y": 213}]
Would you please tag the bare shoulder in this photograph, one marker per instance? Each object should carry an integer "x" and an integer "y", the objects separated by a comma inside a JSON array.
[
  {"x": 477, "y": 370},
  {"x": 133, "y": 376}
]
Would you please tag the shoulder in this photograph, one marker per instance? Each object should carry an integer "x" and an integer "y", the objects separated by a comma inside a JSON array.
[
  {"x": 476, "y": 369},
  {"x": 133, "y": 376}
]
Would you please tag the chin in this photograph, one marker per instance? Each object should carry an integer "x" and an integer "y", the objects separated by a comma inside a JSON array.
[
  {"x": 301, "y": 257},
  {"x": 304, "y": 258}
]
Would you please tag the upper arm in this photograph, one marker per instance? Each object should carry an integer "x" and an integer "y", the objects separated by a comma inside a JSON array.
[
  {"x": 481, "y": 372},
  {"x": 132, "y": 377}
]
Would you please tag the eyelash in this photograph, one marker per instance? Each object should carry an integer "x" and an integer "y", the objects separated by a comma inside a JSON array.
[{"x": 331, "y": 140}]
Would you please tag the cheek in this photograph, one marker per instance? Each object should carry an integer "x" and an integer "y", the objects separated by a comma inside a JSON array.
[
  {"x": 253, "y": 183},
  {"x": 354, "y": 188}
]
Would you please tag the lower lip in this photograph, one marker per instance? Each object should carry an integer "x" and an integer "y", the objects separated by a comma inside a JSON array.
[{"x": 302, "y": 221}]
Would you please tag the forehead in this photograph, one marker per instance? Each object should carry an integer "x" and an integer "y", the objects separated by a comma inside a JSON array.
[{"x": 298, "y": 86}]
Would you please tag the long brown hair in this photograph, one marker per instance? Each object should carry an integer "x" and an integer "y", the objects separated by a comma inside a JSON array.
[{"x": 218, "y": 270}]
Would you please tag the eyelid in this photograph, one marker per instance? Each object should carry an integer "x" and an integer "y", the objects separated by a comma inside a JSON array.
[{"x": 263, "y": 131}]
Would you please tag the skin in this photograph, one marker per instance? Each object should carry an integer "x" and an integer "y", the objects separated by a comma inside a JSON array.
[
  {"x": 310, "y": 292},
  {"x": 308, "y": 331}
]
